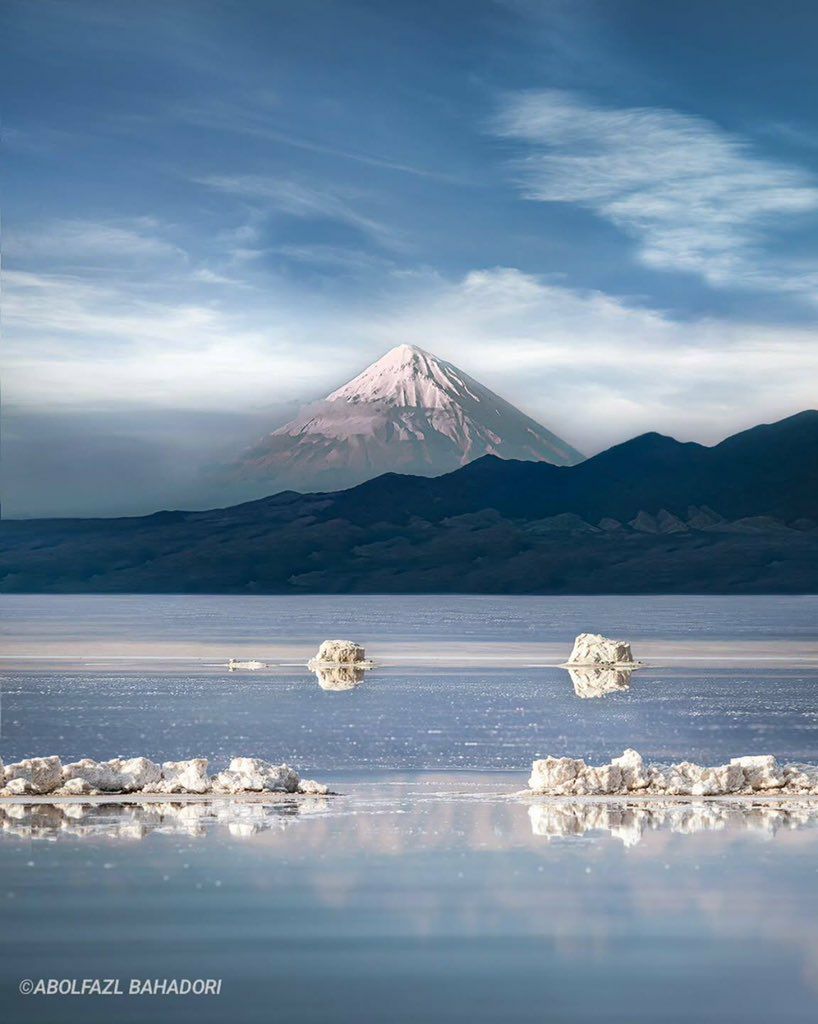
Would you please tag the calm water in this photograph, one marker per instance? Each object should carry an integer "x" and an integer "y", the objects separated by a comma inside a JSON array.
[
  {"x": 426, "y": 893},
  {"x": 311, "y": 619},
  {"x": 411, "y": 903}
]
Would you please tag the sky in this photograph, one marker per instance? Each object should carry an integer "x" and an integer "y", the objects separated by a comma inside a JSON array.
[{"x": 214, "y": 212}]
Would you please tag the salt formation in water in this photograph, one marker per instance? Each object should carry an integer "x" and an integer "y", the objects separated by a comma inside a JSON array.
[
  {"x": 338, "y": 677},
  {"x": 339, "y": 665},
  {"x": 630, "y": 822},
  {"x": 35, "y": 775},
  {"x": 312, "y": 788},
  {"x": 339, "y": 652},
  {"x": 591, "y": 681},
  {"x": 115, "y": 776},
  {"x": 252, "y": 775},
  {"x": 567, "y": 776},
  {"x": 38, "y": 776},
  {"x": 185, "y": 777},
  {"x": 594, "y": 649},
  {"x": 250, "y": 666}
]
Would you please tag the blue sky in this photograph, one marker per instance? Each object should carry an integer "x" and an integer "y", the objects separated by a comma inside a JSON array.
[{"x": 212, "y": 211}]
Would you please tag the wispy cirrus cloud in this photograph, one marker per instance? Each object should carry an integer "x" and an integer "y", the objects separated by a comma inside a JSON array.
[
  {"x": 697, "y": 198},
  {"x": 253, "y": 115},
  {"x": 300, "y": 200},
  {"x": 93, "y": 244}
]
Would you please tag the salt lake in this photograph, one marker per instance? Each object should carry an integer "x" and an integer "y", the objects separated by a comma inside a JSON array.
[{"x": 428, "y": 890}]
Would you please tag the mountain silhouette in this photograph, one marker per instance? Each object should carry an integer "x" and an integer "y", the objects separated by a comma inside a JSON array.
[{"x": 650, "y": 515}]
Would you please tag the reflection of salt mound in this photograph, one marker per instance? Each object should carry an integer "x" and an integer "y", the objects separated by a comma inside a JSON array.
[
  {"x": 630, "y": 822},
  {"x": 594, "y": 649},
  {"x": 596, "y": 682},
  {"x": 576, "y": 819},
  {"x": 564, "y": 776},
  {"x": 339, "y": 652},
  {"x": 136, "y": 821},
  {"x": 338, "y": 677}
]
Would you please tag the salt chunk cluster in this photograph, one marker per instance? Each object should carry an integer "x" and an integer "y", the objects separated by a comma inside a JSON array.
[
  {"x": 339, "y": 652},
  {"x": 37, "y": 776},
  {"x": 568, "y": 776},
  {"x": 252, "y": 775},
  {"x": 594, "y": 649}
]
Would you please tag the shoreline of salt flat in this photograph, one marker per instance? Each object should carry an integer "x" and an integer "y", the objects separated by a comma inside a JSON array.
[
  {"x": 523, "y": 795},
  {"x": 22, "y": 654},
  {"x": 165, "y": 798}
]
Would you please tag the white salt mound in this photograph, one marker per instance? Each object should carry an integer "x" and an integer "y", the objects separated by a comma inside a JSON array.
[
  {"x": 594, "y": 649},
  {"x": 119, "y": 775},
  {"x": 250, "y": 666},
  {"x": 77, "y": 787},
  {"x": 567, "y": 776},
  {"x": 35, "y": 776},
  {"x": 252, "y": 775},
  {"x": 185, "y": 777},
  {"x": 339, "y": 652},
  {"x": 311, "y": 788},
  {"x": 38, "y": 776}
]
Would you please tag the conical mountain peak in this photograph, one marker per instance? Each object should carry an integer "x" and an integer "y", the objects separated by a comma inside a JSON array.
[
  {"x": 405, "y": 376},
  {"x": 408, "y": 412}
]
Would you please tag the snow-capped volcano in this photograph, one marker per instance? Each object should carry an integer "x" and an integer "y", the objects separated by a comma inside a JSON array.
[{"x": 409, "y": 412}]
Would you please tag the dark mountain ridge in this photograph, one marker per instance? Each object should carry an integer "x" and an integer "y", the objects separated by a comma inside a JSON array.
[
  {"x": 770, "y": 469},
  {"x": 650, "y": 515}
]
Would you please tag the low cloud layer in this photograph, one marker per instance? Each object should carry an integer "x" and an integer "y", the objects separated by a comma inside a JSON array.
[
  {"x": 591, "y": 367},
  {"x": 544, "y": 345},
  {"x": 116, "y": 462}
]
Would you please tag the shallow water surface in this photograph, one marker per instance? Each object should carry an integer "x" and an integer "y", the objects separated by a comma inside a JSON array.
[
  {"x": 458, "y": 630},
  {"x": 416, "y": 898},
  {"x": 399, "y": 719},
  {"x": 312, "y": 618},
  {"x": 427, "y": 892}
]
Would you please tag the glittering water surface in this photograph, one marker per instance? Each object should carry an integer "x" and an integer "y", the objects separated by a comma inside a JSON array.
[
  {"x": 416, "y": 898},
  {"x": 425, "y": 719},
  {"x": 427, "y": 892}
]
